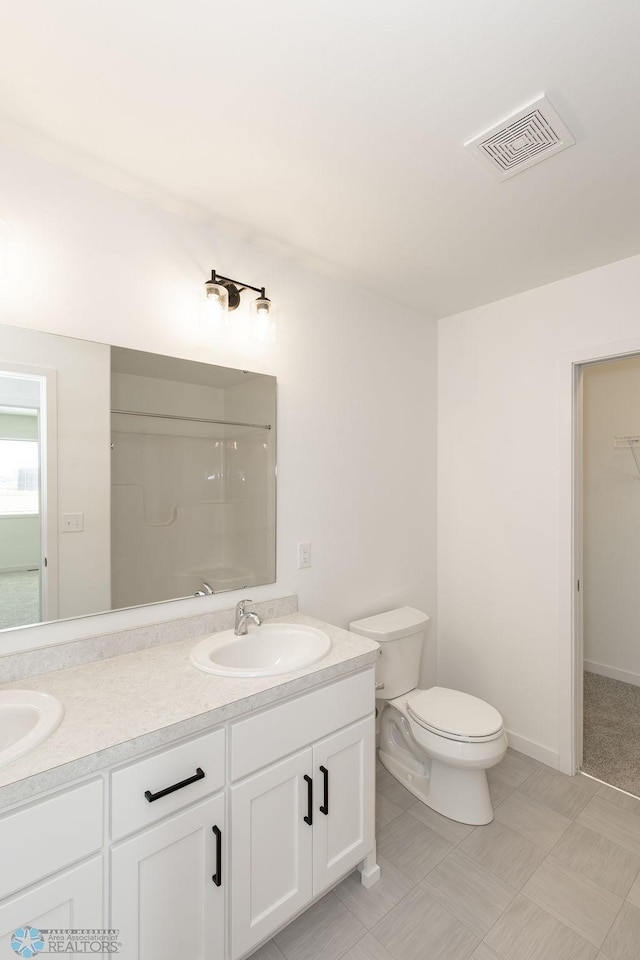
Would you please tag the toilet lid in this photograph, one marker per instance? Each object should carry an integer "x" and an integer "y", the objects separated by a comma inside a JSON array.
[{"x": 453, "y": 714}]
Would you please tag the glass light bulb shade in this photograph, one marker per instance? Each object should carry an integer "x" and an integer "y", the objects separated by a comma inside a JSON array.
[
  {"x": 263, "y": 328},
  {"x": 261, "y": 307},
  {"x": 217, "y": 295}
]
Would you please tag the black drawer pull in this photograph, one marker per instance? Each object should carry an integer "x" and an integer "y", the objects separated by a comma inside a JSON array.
[
  {"x": 309, "y": 817},
  {"x": 324, "y": 808},
  {"x": 217, "y": 877},
  {"x": 198, "y": 775}
]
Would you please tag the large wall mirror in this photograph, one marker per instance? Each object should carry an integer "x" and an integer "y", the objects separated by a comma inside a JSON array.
[{"x": 128, "y": 478}]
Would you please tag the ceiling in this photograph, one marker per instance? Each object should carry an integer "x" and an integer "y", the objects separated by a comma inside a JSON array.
[{"x": 337, "y": 126}]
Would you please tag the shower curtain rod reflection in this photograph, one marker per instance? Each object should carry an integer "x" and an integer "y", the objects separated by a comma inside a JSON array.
[{"x": 168, "y": 416}]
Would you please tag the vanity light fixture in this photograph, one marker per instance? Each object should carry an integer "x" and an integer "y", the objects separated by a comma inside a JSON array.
[{"x": 225, "y": 293}]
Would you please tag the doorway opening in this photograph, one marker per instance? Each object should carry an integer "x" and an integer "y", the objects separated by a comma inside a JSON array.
[
  {"x": 607, "y": 549},
  {"x": 23, "y": 499}
]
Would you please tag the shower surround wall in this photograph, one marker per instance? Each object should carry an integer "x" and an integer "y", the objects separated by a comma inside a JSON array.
[{"x": 186, "y": 495}]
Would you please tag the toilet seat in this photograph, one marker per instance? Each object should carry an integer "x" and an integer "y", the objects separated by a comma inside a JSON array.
[{"x": 454, "y": 715}]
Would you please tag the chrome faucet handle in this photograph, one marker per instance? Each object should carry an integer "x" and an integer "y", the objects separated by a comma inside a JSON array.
[
  {"x": 206, "y": 590},
  {"x": 240, "y": 612}
]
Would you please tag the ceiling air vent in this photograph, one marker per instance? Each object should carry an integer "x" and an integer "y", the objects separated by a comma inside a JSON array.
[{"x": 527, "y": 137}]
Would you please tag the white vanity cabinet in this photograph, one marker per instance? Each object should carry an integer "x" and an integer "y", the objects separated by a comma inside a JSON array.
[
  {"x": 71, "y": 899},
  {"x": 205, "y": 848},
  {"x": 167, "y": 894},
  {"x": 38, "y": 844},
  {"x": 301, "y": 823},
  {"x": 167, "y": 889}
]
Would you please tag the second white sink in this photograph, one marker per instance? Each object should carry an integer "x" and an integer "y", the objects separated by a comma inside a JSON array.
[
  {"x": 265, "y": 651},
  {"x": 27, "y": 717}
]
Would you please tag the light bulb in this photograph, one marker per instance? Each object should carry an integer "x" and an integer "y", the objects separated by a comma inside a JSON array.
[
  {"x": 263, "y": 328},
  {"x": 217, "y": 296}
]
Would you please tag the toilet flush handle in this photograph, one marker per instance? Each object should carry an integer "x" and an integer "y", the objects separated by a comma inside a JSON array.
[{"x": 380, "y": 685}]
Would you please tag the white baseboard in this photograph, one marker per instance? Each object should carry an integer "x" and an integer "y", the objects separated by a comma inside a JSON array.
[
  {"x": 534, "y": 750},
  {"x": 603, "y": 670}
]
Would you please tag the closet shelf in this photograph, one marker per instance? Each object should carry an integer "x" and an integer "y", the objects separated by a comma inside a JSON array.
[{"x": 633, "y": 444}]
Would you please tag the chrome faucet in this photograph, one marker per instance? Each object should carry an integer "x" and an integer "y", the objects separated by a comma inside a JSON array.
[
  {"x": 206, "y": 590},
  {"x": 243, "y": 617}
]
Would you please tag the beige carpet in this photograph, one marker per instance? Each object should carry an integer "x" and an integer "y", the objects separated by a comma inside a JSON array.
[
  {"x": 612, "y": 732},
  {"x": 19, "y": 598}
]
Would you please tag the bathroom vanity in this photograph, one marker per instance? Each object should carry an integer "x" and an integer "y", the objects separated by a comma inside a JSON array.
[{"x": 207, "y": 845}]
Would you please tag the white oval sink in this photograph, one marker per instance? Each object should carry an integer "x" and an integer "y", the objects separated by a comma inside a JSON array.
[
  {"x": 265, "y": 651},
  {"x": 26, "y": 719}
]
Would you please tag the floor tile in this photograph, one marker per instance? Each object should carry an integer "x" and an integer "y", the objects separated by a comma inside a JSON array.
[
  {"x": 326, "y": 931},
  {"x": 412, "y": 847},
  {"x": 368, "y": 949},
  {"x": 451, "y": 830},
  {"x": 386, "y": 811},
  {"x": 499, "y": 789},
  {"x": 611, "y": 821},
  {"x": 572, "y": 898},
  {"x": 467, "y": 891},
  {"x": 619, "y": 798},
  {"x": 393, "y": 790},
  {"x": 371, "y": 905},
  {"x": 504, "y": 853},
  {"x": 484, "y": 952},
  {"x": 514, "y": 769},
  {"x": 633, "y": 895},
  {"x": 565, "y": 795},
  {"x": 598, "y": 858},
  {"x": 540, "y": 825},
  {"x": 268, "y": 952},
  {"x": 526, "y": 932},
  {"x": 419, "y": 927},
  {"x": 623, "y": 942}
]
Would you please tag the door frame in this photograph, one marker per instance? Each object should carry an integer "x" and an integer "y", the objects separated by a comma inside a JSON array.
[
  {"x": 570, "y": 557},
  {"x": 48, "y": 456}
]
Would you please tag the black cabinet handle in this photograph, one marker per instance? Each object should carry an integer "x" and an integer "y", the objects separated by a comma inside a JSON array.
[
  {"x": 309, "y": 817},
  {"x": 199, "y": 774},
  {"x": 217, "y": 877},
  {"x": 324, "y": 807}
]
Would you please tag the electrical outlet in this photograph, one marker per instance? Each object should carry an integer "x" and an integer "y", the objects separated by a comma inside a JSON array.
[
  {"x": 304, "y": 555},
  {"x": 72, "y": 522}
]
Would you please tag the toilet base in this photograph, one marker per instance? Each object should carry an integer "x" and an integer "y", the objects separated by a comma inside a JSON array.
[{"x": 458, "y": 794}]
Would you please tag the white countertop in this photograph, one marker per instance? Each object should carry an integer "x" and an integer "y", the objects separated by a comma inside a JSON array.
[{"x": 119, "y": 708}]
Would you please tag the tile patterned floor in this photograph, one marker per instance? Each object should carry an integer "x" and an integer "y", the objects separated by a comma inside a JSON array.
[{"x": 556, "y": 876}]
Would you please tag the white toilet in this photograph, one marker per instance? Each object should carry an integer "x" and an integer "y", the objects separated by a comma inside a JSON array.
[{"x": 437, "y": 742}]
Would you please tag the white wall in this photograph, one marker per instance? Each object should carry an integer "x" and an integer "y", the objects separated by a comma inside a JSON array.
[
  {"x": 356, "y": 378},
  {"x": 503, "y": 541},
  {"x": 611, "y": 520}
]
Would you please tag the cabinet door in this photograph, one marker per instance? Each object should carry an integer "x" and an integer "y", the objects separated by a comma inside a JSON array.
[
  {"x": 272, "y": 850},
  {"x": 69, "y": 900},
  {"x": 164, "y": 899},
  {"x": 344, "y": 788}
]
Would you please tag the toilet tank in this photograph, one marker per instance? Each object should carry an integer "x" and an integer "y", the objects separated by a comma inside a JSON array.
[{"x": 400, "y": 634}]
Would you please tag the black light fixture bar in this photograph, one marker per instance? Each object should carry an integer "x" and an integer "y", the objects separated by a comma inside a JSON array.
[{"x": 216, "y": 277}]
